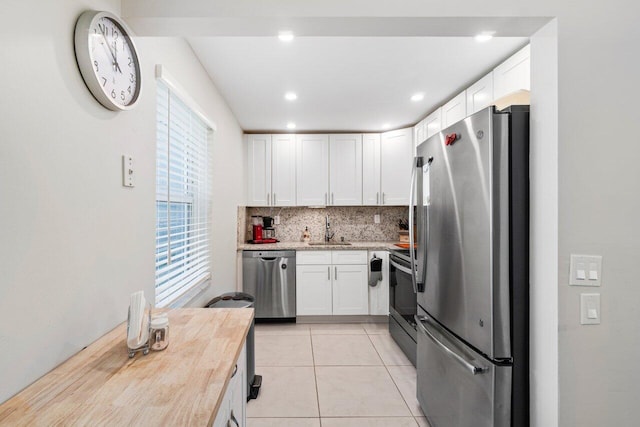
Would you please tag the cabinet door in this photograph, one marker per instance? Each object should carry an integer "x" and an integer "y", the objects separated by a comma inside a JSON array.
[
  {"x": 350, "y": 289},
  {"x": 312, "y": 174},
  {"x": 313, "y": 290},
  {"x": 454, "y": 110},
  {"x": 371, "y": 169},
  {"x": 433, "y": 123},
  {"x": 345, "y": 169},
  {"x": 379, "y": 294},
  {"x": 283, "y": 176},
  {"x": 480, "y": 94},
  {"x": 259, "y": 170},
  {"x": 222, "y": 417},
  {"x": 396, "y": 157},
  {"x": 513, "y": 74},
  {"x": 238, "y": 385}
]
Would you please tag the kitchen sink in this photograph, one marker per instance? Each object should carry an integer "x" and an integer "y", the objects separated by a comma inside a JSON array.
[{"x": 329, "y": 243}]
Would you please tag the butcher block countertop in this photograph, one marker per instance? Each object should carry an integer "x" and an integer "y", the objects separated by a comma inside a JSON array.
[{"x": 182, "y": 385}]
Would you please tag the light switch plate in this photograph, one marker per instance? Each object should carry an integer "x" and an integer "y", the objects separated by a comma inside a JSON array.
[
  {"x": 589, "y": 309},
  {"x": 127, "y": 171},
  {"x": 585, "y": 270}
]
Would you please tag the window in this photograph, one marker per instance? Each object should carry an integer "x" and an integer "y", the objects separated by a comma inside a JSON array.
[{"x": 183, "y": 198}]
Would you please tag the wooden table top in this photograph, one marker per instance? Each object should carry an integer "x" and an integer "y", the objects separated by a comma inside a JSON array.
[{"x": 182, "y": 385}]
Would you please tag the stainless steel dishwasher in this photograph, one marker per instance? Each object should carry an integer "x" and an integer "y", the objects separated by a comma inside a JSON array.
[{"x": 270, "y": 276}]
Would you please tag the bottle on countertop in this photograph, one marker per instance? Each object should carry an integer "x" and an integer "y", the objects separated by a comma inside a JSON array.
[{"x": 306, "y": 235}]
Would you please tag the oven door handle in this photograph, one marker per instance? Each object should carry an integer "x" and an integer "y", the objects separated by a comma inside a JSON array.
[{"x": 400, "y": 267}]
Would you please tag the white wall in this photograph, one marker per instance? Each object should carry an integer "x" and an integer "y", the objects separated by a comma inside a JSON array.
[
  {"x": 544, "y": 227},
  {"x": 75, "y": 243}
]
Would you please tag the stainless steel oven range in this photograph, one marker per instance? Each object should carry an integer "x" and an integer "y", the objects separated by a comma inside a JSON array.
[{"x": 402, "y": 303}]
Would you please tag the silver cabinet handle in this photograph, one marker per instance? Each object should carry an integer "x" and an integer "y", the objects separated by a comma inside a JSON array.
[
  {"x": 274, "y": 199},
  {"x": 328, "y": 273},
  {"x": 268, "y": 198},
  {"x": 233, "y": 419},
  {"x": 383, "y": 198},
  {"x": 332, "y": 200},
  {"x": 377, "y": 198},
  {"x": 475, "y": 370},
  {"x": 335, "y": 270},
  {"x": 235, "y": 371},
  {"x": 326, "y": 200}
]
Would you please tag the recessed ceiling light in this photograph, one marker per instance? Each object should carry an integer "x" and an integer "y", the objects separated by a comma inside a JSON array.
[
  {"x": 285, "y": 36},
  {"x": 291, "y": 125},
  {"x": 484, "y": 37},
  {"x": 290, "y": 96},
  {"x": 386, "y": 126},
  {"x": 417, "y": 97}
]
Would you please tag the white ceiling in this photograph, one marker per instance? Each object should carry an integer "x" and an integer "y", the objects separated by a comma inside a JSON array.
[
  {"x": 344, "y": 83},
  {"x": 353, "y": 64}
]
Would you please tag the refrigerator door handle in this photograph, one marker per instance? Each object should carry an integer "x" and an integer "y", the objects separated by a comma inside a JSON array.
[
  {"x": 473, "y": 369},
  {"x": 412, "y": 250}
]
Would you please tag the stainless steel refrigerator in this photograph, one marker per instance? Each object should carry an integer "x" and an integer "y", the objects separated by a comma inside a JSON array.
[{"x": 470, "y": 187}]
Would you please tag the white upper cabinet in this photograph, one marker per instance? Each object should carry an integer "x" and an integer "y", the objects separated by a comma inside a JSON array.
[
  {"x": 345, "y": 169},
  {"x": 480, "y": 94},
  {"x": 433, "y": 123},
  {"x": 454, "y": 110},
  {"x": 396, "y": 157},
  {"x": 420, "y": 132},
  {"x": 312, "y": 170},
  {"x": 259, "y": 170},
  {"x": 513, "y": 74},
  {"x": 371, "y": 169},
  {"x": 283, "y": 175}
]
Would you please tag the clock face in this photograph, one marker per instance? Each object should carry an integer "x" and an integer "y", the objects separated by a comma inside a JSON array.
[
  {"x": 114, "y": 61},
  {"x": 107, "y": 59}
]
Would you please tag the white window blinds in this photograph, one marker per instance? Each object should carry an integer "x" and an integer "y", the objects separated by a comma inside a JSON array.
[{"x": 183, "y": 198}]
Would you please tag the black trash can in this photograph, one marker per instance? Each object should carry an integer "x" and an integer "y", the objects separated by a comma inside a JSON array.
[{"x": 243, "y": 300}]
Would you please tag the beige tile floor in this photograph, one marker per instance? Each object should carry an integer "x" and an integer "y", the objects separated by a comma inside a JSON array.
[{"x": 333, "y": 375}]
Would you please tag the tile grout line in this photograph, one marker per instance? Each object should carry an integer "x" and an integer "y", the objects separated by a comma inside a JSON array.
[
  {"x": 392, "y": 379},
  {"x": 315, "y": 377}
]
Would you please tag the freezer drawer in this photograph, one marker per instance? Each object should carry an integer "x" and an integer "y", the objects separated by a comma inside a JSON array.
[{"x": 457, "y": 387}]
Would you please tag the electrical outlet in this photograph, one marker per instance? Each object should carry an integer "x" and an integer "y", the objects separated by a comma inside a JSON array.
[
  {"x": 276, "y": 219},
  {"x": 376, "y": 219}
]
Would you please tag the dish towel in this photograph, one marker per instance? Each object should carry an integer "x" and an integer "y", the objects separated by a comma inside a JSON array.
[{"x": 375, "y": 271}]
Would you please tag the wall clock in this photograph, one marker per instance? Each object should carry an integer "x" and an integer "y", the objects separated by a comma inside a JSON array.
[{"x": 108, "y": 59}]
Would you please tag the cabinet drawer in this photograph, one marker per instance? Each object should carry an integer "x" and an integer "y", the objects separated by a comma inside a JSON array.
[
  {"x": 313, "y": 257},
  {"x": 348, "y": 257}
]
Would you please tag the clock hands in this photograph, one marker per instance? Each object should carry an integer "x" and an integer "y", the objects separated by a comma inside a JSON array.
[{"x": 116, "y": 66}]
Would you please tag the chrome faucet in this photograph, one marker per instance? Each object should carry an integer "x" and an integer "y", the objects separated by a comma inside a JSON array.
[{"x": 328, "y": 235}]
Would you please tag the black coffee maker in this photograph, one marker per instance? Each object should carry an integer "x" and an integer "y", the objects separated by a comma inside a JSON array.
[{"x": 268, "y": 232}]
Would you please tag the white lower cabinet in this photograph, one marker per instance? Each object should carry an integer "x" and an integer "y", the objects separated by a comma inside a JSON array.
[
  {"x": 313, "y": 290},
  {"x": 331, "y": 282},
  {"x": 350, "y": 289},
  {"x": 233, "y": 409},
  {"x": 379, "y": 294}
]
